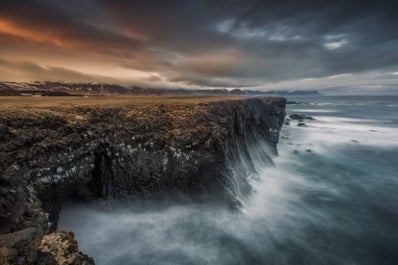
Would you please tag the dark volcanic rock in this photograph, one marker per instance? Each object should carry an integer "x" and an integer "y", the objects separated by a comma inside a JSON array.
[
  {"x": 296, "y": 116},
  {"x": 118, "y": 149}
]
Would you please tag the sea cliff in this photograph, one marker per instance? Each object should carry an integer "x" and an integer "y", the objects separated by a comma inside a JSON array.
[{"x": 52, "y": 150}]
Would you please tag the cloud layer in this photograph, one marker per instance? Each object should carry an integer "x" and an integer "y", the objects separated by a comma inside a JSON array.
[{"x": 251, "y": 43}]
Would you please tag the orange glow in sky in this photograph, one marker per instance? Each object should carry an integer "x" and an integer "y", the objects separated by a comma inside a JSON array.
[{"x": 12, "y": 29}]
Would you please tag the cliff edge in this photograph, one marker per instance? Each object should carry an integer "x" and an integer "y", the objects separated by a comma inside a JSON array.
[{"x": 54, "y": 149}]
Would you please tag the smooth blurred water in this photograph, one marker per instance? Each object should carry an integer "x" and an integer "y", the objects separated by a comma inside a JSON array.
[{"x": 331, "y": 197}]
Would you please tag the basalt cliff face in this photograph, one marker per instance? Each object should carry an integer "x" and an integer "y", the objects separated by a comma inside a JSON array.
[{"x": 52, "y": 150}]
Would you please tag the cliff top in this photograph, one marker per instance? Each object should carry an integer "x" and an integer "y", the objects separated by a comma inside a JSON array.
[
  {"x": 75, "y": 109},
  {"x": 7, "y": 102},
  {"x": 165, "y": 116}
]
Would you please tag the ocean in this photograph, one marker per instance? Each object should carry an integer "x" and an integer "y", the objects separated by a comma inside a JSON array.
[{"x": 329, "y": 197}]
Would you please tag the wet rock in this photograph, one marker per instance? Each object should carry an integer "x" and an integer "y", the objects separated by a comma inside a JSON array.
[
  {"x": 296, "y": 116},
  {"x": 60, "y": 248},
  {"x": 301, "y": 124}
]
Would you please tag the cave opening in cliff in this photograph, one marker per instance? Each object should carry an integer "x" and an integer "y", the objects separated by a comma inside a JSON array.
[
  {"x": 101, "y": 183},
  {"x": 96, "y": 184}
]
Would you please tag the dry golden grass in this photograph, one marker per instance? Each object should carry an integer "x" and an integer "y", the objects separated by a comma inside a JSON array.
[
  {"x": 105, "y": 102},
  {"x": 76, "y": 109}
]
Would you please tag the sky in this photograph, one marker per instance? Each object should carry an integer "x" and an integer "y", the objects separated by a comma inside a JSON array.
[{"x": 338, "y": 47}]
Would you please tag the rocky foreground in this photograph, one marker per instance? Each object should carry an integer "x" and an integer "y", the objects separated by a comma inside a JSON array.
[{"x": 60, "y": 148}]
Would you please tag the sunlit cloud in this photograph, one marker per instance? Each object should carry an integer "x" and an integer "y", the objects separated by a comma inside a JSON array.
[
  {"x": 339, "y": 76},
  {"x": 17, "y": 31}
]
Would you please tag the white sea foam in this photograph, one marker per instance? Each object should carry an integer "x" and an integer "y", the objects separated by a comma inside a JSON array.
[
  {"x": 315, "y": 110},
  {"x": 326, "y": 131}
]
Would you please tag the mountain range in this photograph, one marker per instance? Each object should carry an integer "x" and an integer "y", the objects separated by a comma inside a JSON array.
[{"x": 46, "y": 88}]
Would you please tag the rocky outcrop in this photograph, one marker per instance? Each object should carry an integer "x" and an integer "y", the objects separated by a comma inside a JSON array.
[
  {"x": 296, "y": 116},
  {"x": 127, "y": 148},
  {"x": 60, "y": 248}
]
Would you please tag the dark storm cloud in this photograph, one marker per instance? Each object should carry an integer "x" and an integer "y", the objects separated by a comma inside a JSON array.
[
  {"x": 295, "y": 43},
  {"x": 218, "y": 43}
]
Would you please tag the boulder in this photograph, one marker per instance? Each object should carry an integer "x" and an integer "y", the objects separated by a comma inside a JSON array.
[{"x": 296, "y": 116}]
